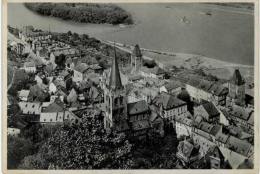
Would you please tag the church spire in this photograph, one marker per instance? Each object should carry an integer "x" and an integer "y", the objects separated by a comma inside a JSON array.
[{"x": 115, "y": 79}]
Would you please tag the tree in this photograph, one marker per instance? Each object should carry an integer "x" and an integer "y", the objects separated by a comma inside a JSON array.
[
  {"x": 60, "y": 61},
  {"x": 17, "y": 149},
  {"x": 69, "y": 33},
  {"x": 85, "y": 146}
]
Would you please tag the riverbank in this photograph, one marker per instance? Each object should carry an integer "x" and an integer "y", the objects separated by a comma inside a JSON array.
[
  {"x": 218, "y": 68},
  {"x": 83, "y": 12},
  {"x": 231, "y": 33}
]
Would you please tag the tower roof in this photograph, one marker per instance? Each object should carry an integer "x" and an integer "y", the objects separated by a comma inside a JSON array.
[
  {"x": 137, "y": 51},
  {"x": 237, "y": 79},
  {"x": 115, "y": 79}
]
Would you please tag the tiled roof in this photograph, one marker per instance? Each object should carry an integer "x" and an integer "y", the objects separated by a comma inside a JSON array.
[
  {"x": 208, "y": 86},
  {"x": 29, "y": 64},
  {"x": 222, "y": 137},
  {"x": 54, "y": 107},
  {"x": 205, "y": 126},
  {"x": 184, "y": 120},
  {"x": 240, "y": 112},
  {"x": 215, "y": 130},
  {"x": 239, "y": 146},
  {"x": 168, "y": 101},
  {"x": 187, "y": 148},
  {"x": 20, "y": 74},
  {"x": 32, "y": 107},
  {"x": 137, "y": 107},
  {"x": 251, "y": 119},
  {"x": 24, "y": 93},
  {"x": 154, "y": 116},
  {"x": 173, "y": 85},
  {"x": 81, "y": 67},
  {"x": 210, "y": 109}
]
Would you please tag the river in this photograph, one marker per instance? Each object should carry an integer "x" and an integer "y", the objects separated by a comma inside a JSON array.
[{"x": 227, "y": 34}]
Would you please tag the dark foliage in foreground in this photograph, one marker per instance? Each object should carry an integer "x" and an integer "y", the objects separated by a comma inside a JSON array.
[
  {"x": 83, "y": 12},
  {"x": 84, "y": 146}
]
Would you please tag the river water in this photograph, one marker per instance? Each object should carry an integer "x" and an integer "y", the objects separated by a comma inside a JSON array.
[{"x": 228, "y": 34}]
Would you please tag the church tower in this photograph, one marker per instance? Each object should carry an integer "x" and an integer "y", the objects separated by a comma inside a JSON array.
[
  {"x": 115, "y": 99},
  {"x": 136, "y": 59},
  {"x": 236, "y": 88}
]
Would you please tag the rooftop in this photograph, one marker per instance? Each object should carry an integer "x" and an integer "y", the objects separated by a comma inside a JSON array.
[
  {"x": 210, "y": 109},
  {"x": 137, "y": 107},
  {"x": 239, "y": 146},
  {"x": 168, "y": 101}
]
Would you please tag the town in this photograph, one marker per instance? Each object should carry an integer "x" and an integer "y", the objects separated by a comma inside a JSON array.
[{"x": 66, "y": 80}]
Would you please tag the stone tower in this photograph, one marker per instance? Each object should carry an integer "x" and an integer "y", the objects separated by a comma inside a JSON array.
[
  {"x": 236, "y": 88},
  {"x": 115, "y": 99},
  {"x": 136, "y": 59}
]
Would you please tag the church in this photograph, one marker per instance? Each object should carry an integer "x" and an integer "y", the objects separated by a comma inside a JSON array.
[{"x": 121, "y": 116}]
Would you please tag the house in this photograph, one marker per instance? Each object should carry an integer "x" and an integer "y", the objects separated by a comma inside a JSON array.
[
  {"x": 200, "y": 90},
  {"x": 38, "y": 92},
  {"x": 148, "y": 93},
  {"x": 43, "y": 54},
  {"x": 183, "y": 126},
  {"x": 30, "y": 108},
  {"x": 172, "y": 87},
  {"x": 241, "y": 147},
  {"x": 95, "y": 68},
  {"x": 23, "y": 95},
  {"x": 138, "y": 111},
  {"x": 205, "y": 134},
  {"x": 224, "y": 116},
  {"x": 20, "y": 75},
  {"x": 29, "y": 67},
  {"x": 95, "y": 94},
  {"x": 29, "y": 33},
  {"x": 215, "y": 159},
  {"x": 188, "y": 152},
  {"x": 56, "y": 113},
  {"x": 79, "y": 72},
  {"x": 134, "y": 95},
  {"x": 208, "y": 112},
  {"x": 13, "y": 132},
  {"x": 138, "y": 116},
  {"x": 243, "y": 117},
  {"x": 72, "y": 97},
  {"x": 66, "y": 51},
  {"x": 18, "y": 47},
  {"x": 155, "y": 72},
  {"x": 38, "y": 79},
  {"x": 170, "y": 107},
  {"x": 52, "y": 88}
]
